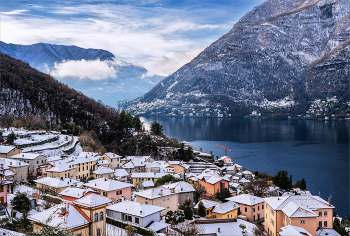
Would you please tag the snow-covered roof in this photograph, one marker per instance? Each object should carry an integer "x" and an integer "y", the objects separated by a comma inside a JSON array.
[
  {"x": 107, "y": 184},
  {"x": 174, "y": 162},
  {"x": 308, "y": 202},
  {"x": 220, "y": 208},
  {"x": 73, "y": 217},
  {"x": 102, "y": 162},
  {"x": 155, "y": 193},
  {"x": 62, "y": 167},
  {"x": 92, "y": 200},
  {"x": 87, "y": 154},
  {"x": 27, "y": 156},
  {"x": 247, "y": 172},
  {"x": 120, "y": 173},
  {"x": 9, "y": 173},
  {"x": 128, "y": 165},
  {"x": 53, "y": 158},
  {"x": 293, "y": 230},
  {"x": 229, "y": 228},
  {"x": 142, "y": 175},
  {"x": 56, "y": 182},
  {"x": 293, "y": 210},
  {"x": 15, "y": 163},
  {"x": 160, "y": 175},
  {"x": 112, "y": 155},
  {"x": 327, "y": 232},
  {"x": 76, "y": 192},
  {"x": 243, "y": 180},
  {"x": 148, "y": 183},
  {"x": 135, "y": 208},
  {"x": 224, "y": 157},
  {"x": 246, "y": 199},
  {"x": 103, "y": 170},
  {"x": 6, "y": 149},
  {"x": 156, "y": 226},
  {"x": 180, "y": 187}
]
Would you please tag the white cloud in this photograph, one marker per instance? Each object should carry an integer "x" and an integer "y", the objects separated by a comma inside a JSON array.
[
  {"x": 95, "y": 70},
  {"x": 15, "y": 12}
]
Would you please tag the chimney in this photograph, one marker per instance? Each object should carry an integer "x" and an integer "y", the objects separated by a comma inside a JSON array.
[
  {"x": 329, "y": 202},
  {"x": 161, "y": 192},
  {"x": 171, "y": 190},
  {"x": 22, "y": 155},
  {"x": 105, "y": 179},
  {"x": 140, "y": 212},
  {"x": 63, "y": 210},
  {"x": 200, "y": 149},
  {"x": 218, "y": 230},
  {"x": 2, "y": 166}
]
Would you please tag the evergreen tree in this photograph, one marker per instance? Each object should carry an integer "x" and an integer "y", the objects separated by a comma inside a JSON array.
[
  {"x": 21, "y": 203},
  {"x": 137, "y": 123},
  {"x": 157, "y": 128},
  {"x": 11, "y": 137},
  {"x": 282, "y": 180},
  {"x": 303, "y": 184},
  {"x": 201, "y": 209},
  {"x": 166, "y": 179}
]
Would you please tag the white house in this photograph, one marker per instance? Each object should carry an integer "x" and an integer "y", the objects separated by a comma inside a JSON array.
[{"x": 135, "y": 212}]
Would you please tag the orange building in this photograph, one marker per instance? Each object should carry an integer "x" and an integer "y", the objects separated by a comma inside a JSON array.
[
  {"x": 305, "y": 211},
  {"x": 178, "y": 168},
  {"x": 213, "y": 184}
]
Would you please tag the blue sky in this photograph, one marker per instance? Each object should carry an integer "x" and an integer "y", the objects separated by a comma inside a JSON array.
[{"x": 160, "y": 35}]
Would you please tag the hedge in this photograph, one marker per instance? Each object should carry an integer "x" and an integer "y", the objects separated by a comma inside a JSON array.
[{"x": 138, "y": 230}]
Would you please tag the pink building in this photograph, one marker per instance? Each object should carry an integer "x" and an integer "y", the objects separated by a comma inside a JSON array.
[
  {"x": 111, "y": 188},
  {"x": 4, "y": 181},
  {"x": 250, "y": 206}
]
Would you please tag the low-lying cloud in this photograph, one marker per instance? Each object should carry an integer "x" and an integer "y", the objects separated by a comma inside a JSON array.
[{"x": 95, "y": 70}]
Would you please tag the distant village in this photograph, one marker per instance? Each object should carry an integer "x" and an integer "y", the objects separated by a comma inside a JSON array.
[
  {"x": 324, "y": 109},
  {"x": 77, "y": 192}
]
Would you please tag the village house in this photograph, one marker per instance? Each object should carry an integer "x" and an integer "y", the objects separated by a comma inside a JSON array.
[
  {"x": 55, "y": 184},
  {"x": 33, "y": 159},
  {"x": 73, "y": 193},
  {"x": 137, "y": 178},
  {"x": 114, "y": 159},
  {"x": 134, "y": 166},
  {"x": 19, "y": 168},
  {"x": 308, "y": 212},
  {"x": 103, "y": 163},
  {"x": 178, "y": 167},
  {"x": 212, "y": 183},
  {"x": 250, "y": 206},
  {"x": 146, "y": 185},
  {"x": 293, "y": 230},
  {"x": 112, "y": 189},
  {"x": 7, "y": 151},
  {"x": 4, "y": 182},
  {"x": 85, "y": 165},
  {"x": 62, "y": 171},
  {"x": 216, "y": 210},
  {"x": 121, "y": 175},
  {"x": 103, "y": 172},
  {"x": 226, "y": 160},
  {"x": 85, "y": 216},
  {"x": 135, "y": 212},
  {"x": 184, "y": 192},
  {"x": 160, "y": 196}
]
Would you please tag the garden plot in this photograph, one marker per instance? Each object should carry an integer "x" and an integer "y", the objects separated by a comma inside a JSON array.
[{"x": 63, "y": 139}]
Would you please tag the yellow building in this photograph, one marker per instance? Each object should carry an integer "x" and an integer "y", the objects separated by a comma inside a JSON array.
[
  {"x": 55, "y": 184},
  {"x": 113, "y": 158},
  {"x": 62, "y": 171},
  {"x": 85, "y": 216},
  {"x": 218, "y": 210},
  {"x": 145, "y": 176}
]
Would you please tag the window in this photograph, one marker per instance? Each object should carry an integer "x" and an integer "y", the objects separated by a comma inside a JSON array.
[
  {"x": 129, "y": 218},
  {"x": 253, "y": 209},
  {"x": 207, "y": 212},
  {"x": 119, "y": 192},
  {"x": 167, "y": 208},
  {"x": 214, "y": 216},
  {"x": 101, "y": 215},
  {"x": 209, "y": 189},
  {"x": 320, "y": 214},
  {"x": 302, "y": 222},
  {"x": 83, "y": 168},
  {"x": 245, "y": 209},
  {"x": 320, "y": 223},
  {"x": 98, "y": 232},
  {"x": 42, "y": 161},
  {"x": 258, "y": 208},
  {"x": 105, "y": 194},
  {"x": 96, "y": 217},
  {"x": 325, "y": 214},
  {"x": 325, "y": 224},
  {"x": 137, "y": 220},
  {"x": 164, "y": 200},
  {"x": 79, "y": 169},
  {"x": 168, "y": 199},
  {"x": 146, "y": 202},
  {"x": 101, "y": 176},
  {"x": 37, "y": 162},
  {"x": 228, "y": 216},
  {"x": 262, "y": 206}
]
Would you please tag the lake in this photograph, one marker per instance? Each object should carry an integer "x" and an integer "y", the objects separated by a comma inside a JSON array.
[{"x": 315, "y": 150}]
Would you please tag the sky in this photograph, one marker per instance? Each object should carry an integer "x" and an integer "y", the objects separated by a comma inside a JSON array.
[{"x": 161, "y": 36}]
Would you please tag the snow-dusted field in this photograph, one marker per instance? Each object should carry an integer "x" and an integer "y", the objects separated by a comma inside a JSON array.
[
  {"x": 34, "y": 139},
  {"x": 62, "y": 140}
]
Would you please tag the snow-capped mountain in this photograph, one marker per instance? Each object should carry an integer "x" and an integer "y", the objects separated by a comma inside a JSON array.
[
  {"x": 95, "y": 72},
  {"x": 283, "y": 52}
]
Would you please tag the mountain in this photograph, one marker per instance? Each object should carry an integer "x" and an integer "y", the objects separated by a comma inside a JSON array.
[
  {"x": 95, "y": 72},
  {"x": 279, "y": 56}
]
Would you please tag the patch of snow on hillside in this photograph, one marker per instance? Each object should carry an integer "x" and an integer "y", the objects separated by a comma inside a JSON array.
[{"x": 285, "y": 102}]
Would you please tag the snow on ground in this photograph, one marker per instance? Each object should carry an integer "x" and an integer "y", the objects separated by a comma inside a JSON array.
[
  {"x": 34, "y": 139},
  {"x": 60, "y": 151},
  {"x": 62, "y": 140}
]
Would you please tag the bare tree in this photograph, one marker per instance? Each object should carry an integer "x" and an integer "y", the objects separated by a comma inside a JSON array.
[
  {"x": 258, "y": 187},
  {"x": 186, "y": 229}
]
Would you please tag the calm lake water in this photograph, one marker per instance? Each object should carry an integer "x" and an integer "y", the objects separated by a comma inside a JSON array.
[{"x": 315, "y": 150}]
